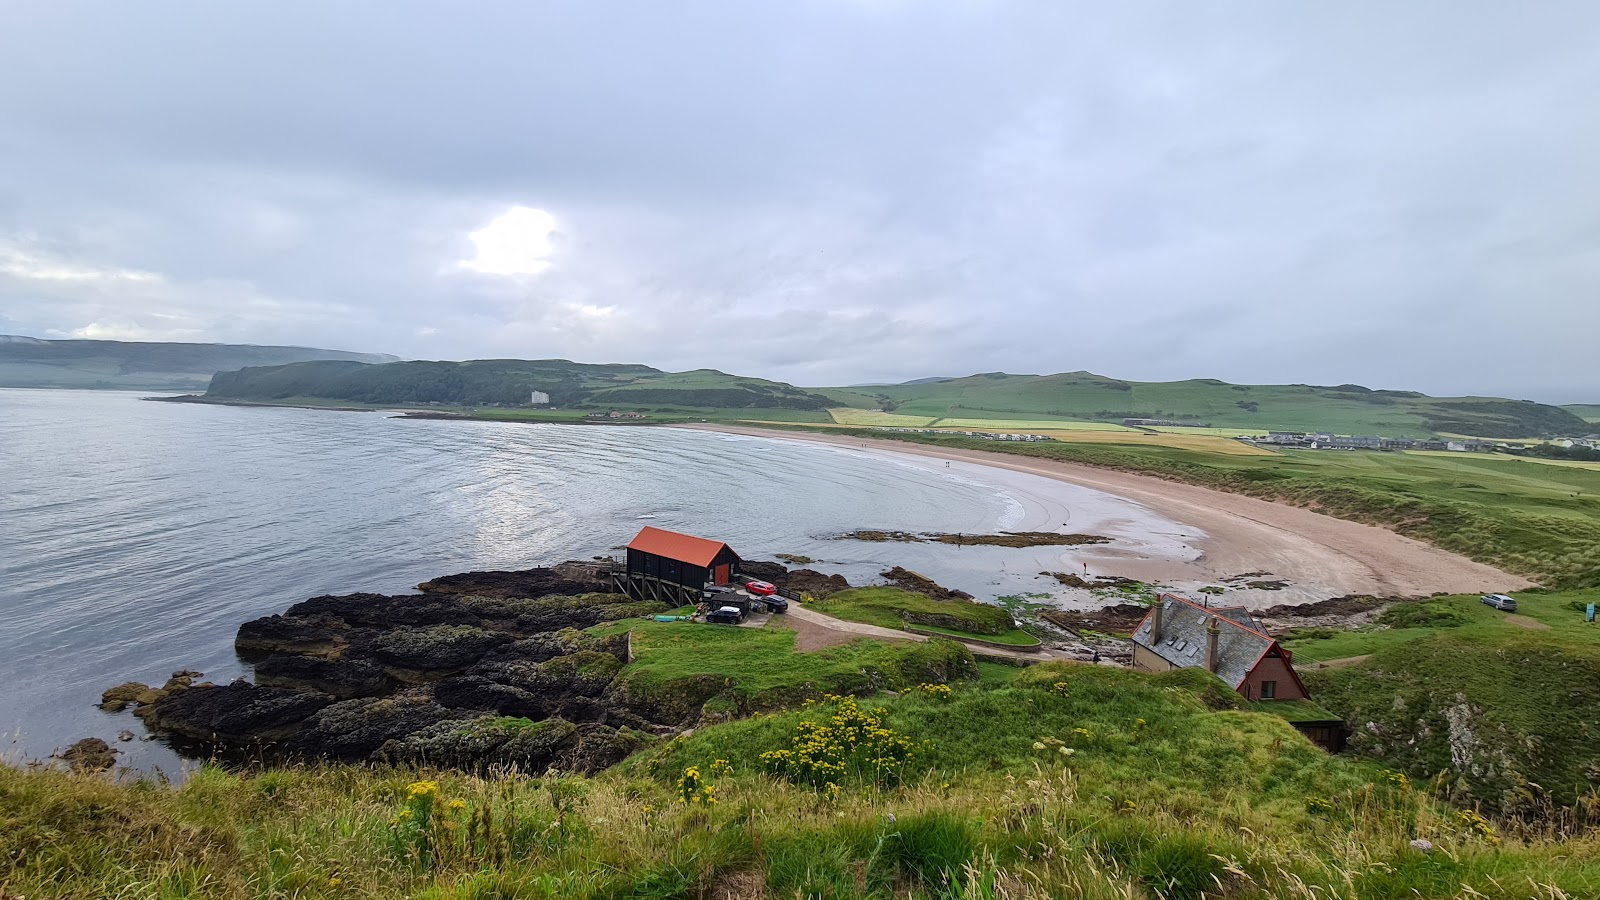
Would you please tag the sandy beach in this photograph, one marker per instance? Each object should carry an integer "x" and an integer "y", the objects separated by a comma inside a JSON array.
[{"x": 1230, "y": 534}]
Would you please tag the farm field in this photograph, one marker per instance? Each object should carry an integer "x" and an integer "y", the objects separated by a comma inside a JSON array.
[
  {"x": 1572, "y": 463},
  {"x": 1589, "y": 412},
  {"x": 870, "y": 417},
  {"x": 1034, "y": 425}
]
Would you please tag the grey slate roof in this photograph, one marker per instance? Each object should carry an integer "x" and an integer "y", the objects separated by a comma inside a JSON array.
[{"x": 1183, "y": 638}]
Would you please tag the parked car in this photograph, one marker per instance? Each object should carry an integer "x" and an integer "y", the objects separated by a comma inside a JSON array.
[
  {"x": 726, "y": 615},
  {"x": 761, "y": 588},
  {"x": 1500, "y": 602},
  {"x": 775, "y": 603}
]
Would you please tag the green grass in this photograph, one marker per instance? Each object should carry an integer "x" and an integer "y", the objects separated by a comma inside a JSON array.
[
  {"x": 678, "y": 666},
  {"x": 1589, "y": 412},
  {"x": 889, "y": 607},
  {"x": 1506, "y": 712},
  {"x": 1292, "y": 710},
  {"x": 995, "y": 673},
  {"x": 1168, "y": 792},
  {"x": 1464, "y": 616},
  {"x": 1016, "y": 637}
]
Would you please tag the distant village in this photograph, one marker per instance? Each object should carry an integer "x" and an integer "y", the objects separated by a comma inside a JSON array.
[{"x": 1322, "y": 440}]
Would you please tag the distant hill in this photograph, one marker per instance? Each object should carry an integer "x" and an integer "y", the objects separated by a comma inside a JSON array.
[
  {"x": 139, "y": 365},
  {"x": 484, "y": 382},
  {"x": 996, "y": 396},
  {"x": 1344, "y": 409},
  {"x": 1589, "y": 412}
]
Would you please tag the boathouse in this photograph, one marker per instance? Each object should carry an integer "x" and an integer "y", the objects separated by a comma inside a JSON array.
[{"x": 673, "y": 567}]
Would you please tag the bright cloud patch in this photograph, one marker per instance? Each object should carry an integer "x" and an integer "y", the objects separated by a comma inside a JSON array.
[{"x": 516, "y": 243}]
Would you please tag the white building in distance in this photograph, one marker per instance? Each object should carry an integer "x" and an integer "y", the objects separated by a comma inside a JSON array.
[{"x": 540, "y": 398}]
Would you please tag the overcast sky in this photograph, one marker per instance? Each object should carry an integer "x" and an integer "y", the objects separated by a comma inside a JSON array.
[{"x": 1403, "y": 195}]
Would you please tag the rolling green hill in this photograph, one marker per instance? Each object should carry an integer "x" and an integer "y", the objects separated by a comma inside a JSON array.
[
  {"x": 151, "y": 366},
  {"x": 509, "y": 382},
  {"x": 1344, "y": 409},
  {"x": 1589, "y": 412}
]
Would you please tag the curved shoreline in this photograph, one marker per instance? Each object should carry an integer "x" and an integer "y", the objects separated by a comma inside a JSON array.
[{"x": 1322, "y": 555}]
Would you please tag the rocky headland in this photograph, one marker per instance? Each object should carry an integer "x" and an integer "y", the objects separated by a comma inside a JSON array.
[{"x": 476, "y": 671}]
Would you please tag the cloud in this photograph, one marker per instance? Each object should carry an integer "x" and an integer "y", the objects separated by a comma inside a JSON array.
[
  {"x": 1388, "y": 194},
  {"x": 517, "y": 242},
  {"x": 22, "y": 264}
]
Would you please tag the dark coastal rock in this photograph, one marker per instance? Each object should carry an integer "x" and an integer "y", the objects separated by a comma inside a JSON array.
[
  {"x": 907, "y": 580},
  {"x": 382, "y": 611},
  {"x": 305, "y": 635},
  {"x": 355, "y": 729},
  {"x": 809, "y": 581},
  {"x": 341, "y": 678},
  {"x": 89, "y": 755},
  {"x": 509, "y": 584},
  {"x": 542, "y": 647},
  {"x": 239, "y": 713},
  {"x": 365, "y": 676},
  {"x": 553, "y": 613},
  {"x": 678, "y": 705},
  {"x": 424, "y": 654},
  {"x": 763, "y": 570},
  {"x": 479, "y": 694},
  {"x": 599, "y": 747},
  {"x": 512, "y": 744}
]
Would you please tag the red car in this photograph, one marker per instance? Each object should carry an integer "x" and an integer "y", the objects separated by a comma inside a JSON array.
[{"x": 761, "y": 588}]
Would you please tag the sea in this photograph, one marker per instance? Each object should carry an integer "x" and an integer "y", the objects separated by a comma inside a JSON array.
[{"x": 136, "y": 536}]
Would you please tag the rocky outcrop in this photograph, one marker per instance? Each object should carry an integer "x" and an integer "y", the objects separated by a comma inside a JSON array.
[
  {"x": 89, "y": 755},
  {"x": 447, "y": 676},
  {"x": 565, "y": 579},
  {"x": 907, "y": 580},
  {"x": 240, "y": 714},
  {"x": 796, "y": 582}
]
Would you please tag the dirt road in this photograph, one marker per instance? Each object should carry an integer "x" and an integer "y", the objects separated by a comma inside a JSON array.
[
  {"x": 816, "y": 630},
  {"x": 1243, "y": 534}
]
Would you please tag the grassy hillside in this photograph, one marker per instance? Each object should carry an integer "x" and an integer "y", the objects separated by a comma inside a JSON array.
[
  {"x": 509, "y": 382},
  {"x": 889, "y": 607},
  {"x": 29, "y": 362},
  {"x": 1589, "y": 412},
  {"x": 1506, "y": 706},
  {"x": 1346, "y": 409},
  {"x": 1065, "y": 782}
]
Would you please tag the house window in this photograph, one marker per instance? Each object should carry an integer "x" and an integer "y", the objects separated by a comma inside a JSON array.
[{"x": 1269, "y": 689}]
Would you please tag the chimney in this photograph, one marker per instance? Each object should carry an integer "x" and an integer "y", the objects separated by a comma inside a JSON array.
[
  {"x": 1211, "y": 645},
  {"x": 1155, "y": 620}
]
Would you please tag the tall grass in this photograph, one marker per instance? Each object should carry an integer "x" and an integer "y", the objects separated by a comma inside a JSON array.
[{"x": 1196, "y": 802}]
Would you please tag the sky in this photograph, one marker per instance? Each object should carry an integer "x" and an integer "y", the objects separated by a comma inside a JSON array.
[{"x": 1401, "y": 195}]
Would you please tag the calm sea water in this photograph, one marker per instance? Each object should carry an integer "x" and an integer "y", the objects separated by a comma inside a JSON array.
[{"x": 135, "y": 537}]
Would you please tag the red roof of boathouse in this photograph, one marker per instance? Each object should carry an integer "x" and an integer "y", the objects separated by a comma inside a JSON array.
[{"x": 687, "y": 548}]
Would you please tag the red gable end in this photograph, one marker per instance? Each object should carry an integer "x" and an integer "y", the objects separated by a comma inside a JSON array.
[{"x": 682, "y": 547}]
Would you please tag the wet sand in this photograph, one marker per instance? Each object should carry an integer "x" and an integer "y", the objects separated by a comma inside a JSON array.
[{"x": 1221, "y": 535}]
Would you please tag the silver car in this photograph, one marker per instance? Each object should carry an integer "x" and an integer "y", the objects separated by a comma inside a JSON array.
[{"x": 1500, "y": 602}]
